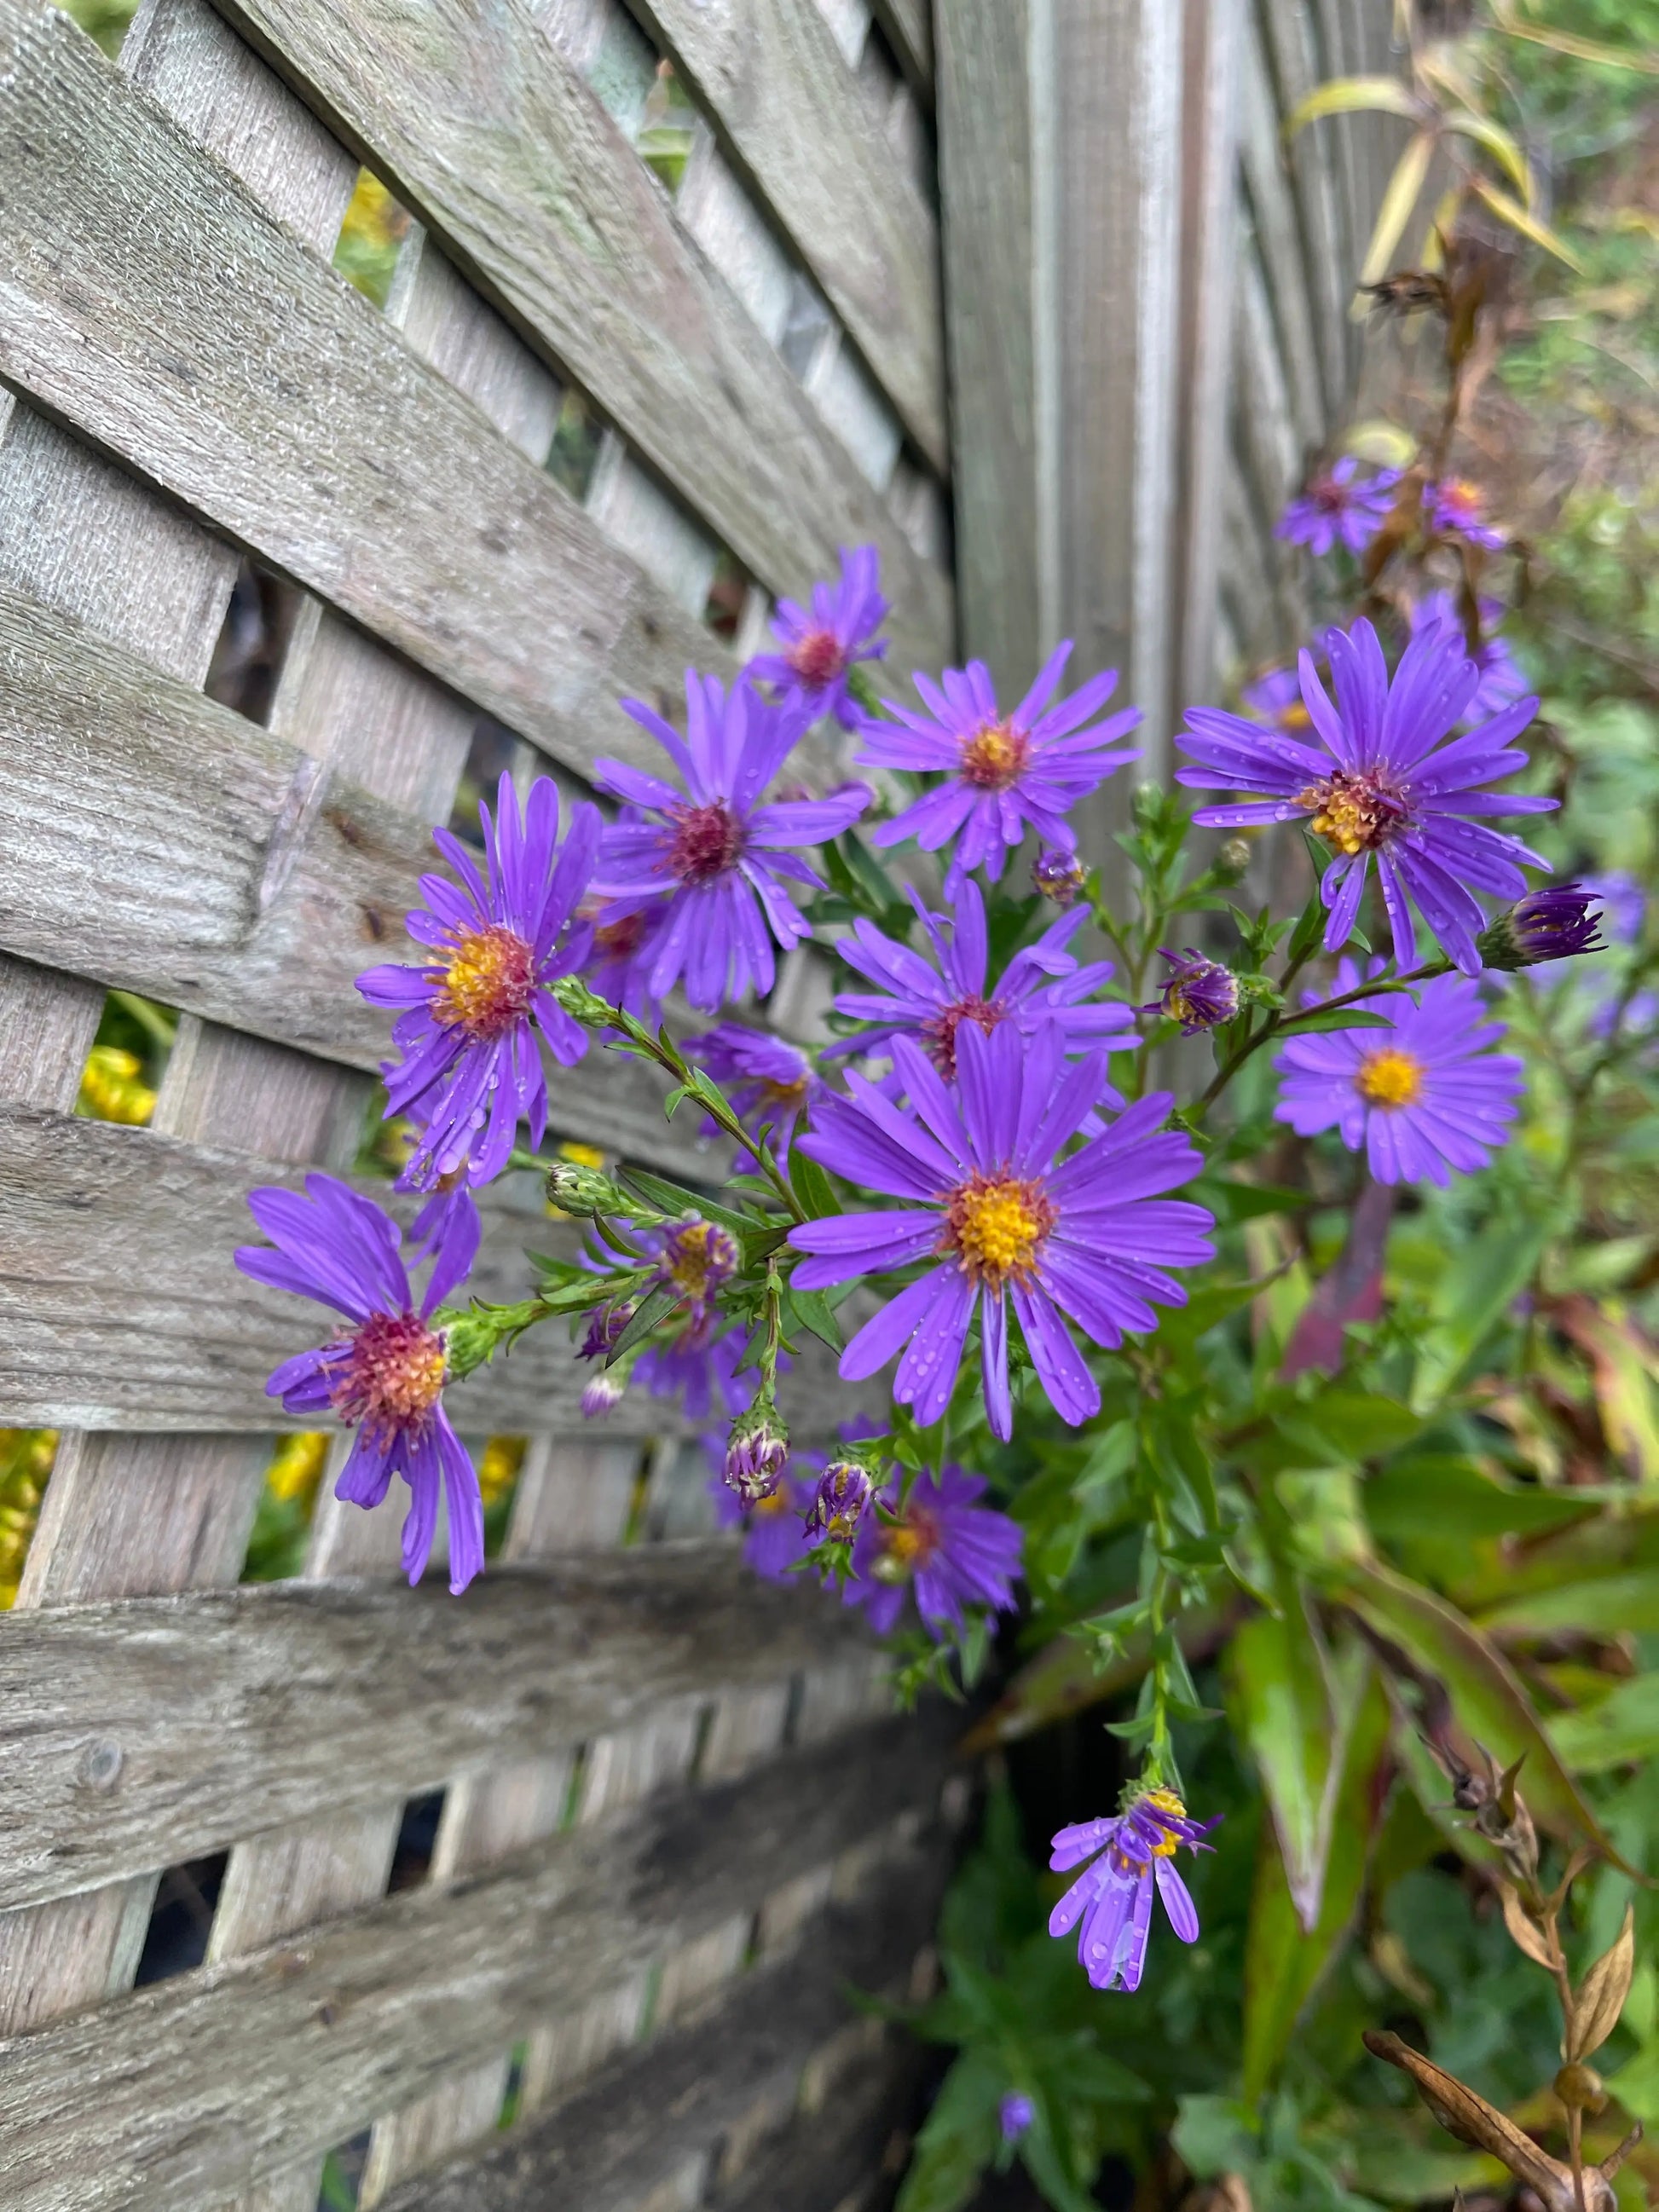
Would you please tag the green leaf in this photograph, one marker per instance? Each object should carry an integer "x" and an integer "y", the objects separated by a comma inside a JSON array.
[
  {"x": 1436, "y": 1499},
  {"x": 1286, "y": 1711},
  {"x": 1610, "y": 1603},
  {"x": 1472, "y": 1296},
  {"x": 957, "y": 2140},
  {"x": 1398, "y": 199},
  {"x": 1522, "y": 219},
  {"x": 1491, "y": 1706},
  {"x": 1230, "y": 1201},
  {"x": 1345, "y": 1018},
  {"x": 812, "y": 1186},
  {"x": 1620, "y": 1727},
  {"x": 651, "y": 1309},
  {"x": 672, "y": 1198},
  {"x": 1498, "y": 142},
  {"x": 816, "y": 1314},
  {"x": 1283, "y": 1961}
]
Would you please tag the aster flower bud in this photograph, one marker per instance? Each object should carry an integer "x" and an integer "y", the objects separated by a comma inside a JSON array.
[
  {"x": 600, "y": 1394},
  {"x": 582, "y": 1004},
  {"x": 757, "y": 1453},
  {"x": 1232, "y": 860},
  {"x": 575, "y": 1187},
  {"x": 1015, "y": 2114},
  {"x": 604, "y": 1326},
  {"x": 1545, "y": 925},
  {"x": 838, "y": 1503},
  {"x": 1058, "y": 875},
  {"x": 1200, "y": 994}
]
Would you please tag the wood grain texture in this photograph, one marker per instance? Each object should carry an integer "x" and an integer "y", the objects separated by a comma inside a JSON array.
[
  {"x": 986, "y": 184},
  {"x": 727, "y": 2081},
  {"x": 156, "y": 1729},
  {"x": 1312, "y": 161},
  {"x": 909, "y": 27},
  {"x": 152, "y": 840},
  {"x": 482, "y": 127},
  {"x": 173, "y": 321},
  {"x": 1274, "y": 215},
  {"x": 792, "y": 113},
  {"x": 112, "y": 1237},
  {"x": 207, "y": 2083}
]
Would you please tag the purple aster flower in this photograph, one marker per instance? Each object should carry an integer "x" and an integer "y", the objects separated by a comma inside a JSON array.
[
  {"x": 820, "y": 647},
  {"x": 1501, "y": 679},
  {"x": 757, "y": 1453},
  {"x": 1382, "y": 783},
  {"x": 838, "y": 1501},
  {"x": 1002, "y": 771},
  {"x": 1338, "y": 505},
  {"x": 1200, "y": 994},
  {"x": 712, "y": 853},
  {"x": 1057, "y": 875},
  {"x": 774, "y": 1537},
  {"x": 621, "y": 955},
  {"x": 1042, "y": 985},
  {"x": 699, "y": 1362},
  {"x": 1424, "y": 1096},
  {"x": 1014, "y": 2114},
  {"x": 477, "y": 1014},
  {"x": 601, "y": 1395},
  {"x": 767, "y": 1079},
  {"x": 699, "y": 1367},
  {"x": 938, "y": 1545},
  {"x": 1113, "y": 1898},
  {"x": 383, "y": 1374},
  {"x": 1557, "y": 923},
  {"x": 1275, "y": 698},
  {"x": 1002, "y": 1217},
  {"x": 1456, "y": 508}
]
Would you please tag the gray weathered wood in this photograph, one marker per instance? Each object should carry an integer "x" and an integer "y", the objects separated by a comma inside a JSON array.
[
  {"x": 1273, "y": 211},
  {"x": 909, "y": 27},
  {"x": 1311, "y": 158},
  {"x": 679, "y": 2100},
  {"x": 487, "y": 132},
  {"x": 153, "y": 1729},
  {"x": 152, "y": 840},
  {"x": 176, "y": 323},
  {"x": 209, "y": 2082},
  {"x": 783, "y": 98},
  {"x": 987, "y": 183},
  {"x": 113, "y": 1236}
]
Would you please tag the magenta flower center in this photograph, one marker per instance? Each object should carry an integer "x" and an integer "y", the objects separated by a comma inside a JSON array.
[
  {"x": 1327, "y": 495},
  {"x": 939, "y": 1035},
  {"x": 995, "y": 1225},
  {"x": 488, "y": 982},
  {"x": 1354, "y": 813},
  {"x": 706, "y": 843},
  {"x": 996, "y": 755},
  {"x": 620, "y": 940},
  {"x": 817, "y": 658},
  {"x": 390, "y": 1375}
]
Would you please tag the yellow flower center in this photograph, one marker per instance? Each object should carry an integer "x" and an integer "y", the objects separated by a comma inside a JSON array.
[
  {"x": 907, "y": 1545},
  {"x": 698, "y": 1255},
  {"x": 1390, "y": 1077},
  {"x": 488, "y": 982},
  {"x": 995, "y": 1225},
  {"x": 996, "y": 755},
  {"x": 1353, "y": 813},
  {"x": 1295, "y": 716}
]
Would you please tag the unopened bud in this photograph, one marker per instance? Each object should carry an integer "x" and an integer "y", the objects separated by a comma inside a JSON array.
[
  {"x": 582, "y": 1004},
  {"x": 1014, "y": 2114},
  {"x": 1058, "y": 875},
  {"x": 1232, "y": 861},
  {"x": 575, "y": 1187},
  {"x": 1199, "y": 994},
  {"x": 603, "y": 1392},
  {"x": 604, "y": 1326},
  {"x": 1148, "y": 803},
  {"x": 757, "y": 1453},
  {"x": 838, "y": 1503},
  {"x": 1547, "y": 925}
]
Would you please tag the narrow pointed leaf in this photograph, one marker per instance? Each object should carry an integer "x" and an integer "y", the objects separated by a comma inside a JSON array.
[{"x": 1354, "y": 95}]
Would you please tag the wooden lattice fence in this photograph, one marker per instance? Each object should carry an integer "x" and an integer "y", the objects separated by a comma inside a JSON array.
[{"x": 285, "y": 572}]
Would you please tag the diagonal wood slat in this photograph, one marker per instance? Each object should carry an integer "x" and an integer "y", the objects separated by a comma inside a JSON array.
[
  {"x": 166, "y": 315},
  {"x": 206, "y": 2083},
  {"x": 791, "y": 110},
  {"x": 484, "y": 128},
  {"x": 163, "y": 1729}
]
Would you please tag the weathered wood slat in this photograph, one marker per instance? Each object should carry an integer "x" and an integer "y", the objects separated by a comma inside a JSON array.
[
  {"x": 690, "y": 2099},
  {"x": 171, "y": 319},
  {"x": 156, "y": 1729},
  {"x": 1274, "y": 212},
  {"x": 1312, "y": 158},
  {"x": 204, "y": 2084},
  {"x": 909, "y": 27},
  {"x": 782, "y": 96},
  {"x": 482, "y": 126},
  {"x": 154, "y": 841},
  {"x": 115, "y": 1239}
]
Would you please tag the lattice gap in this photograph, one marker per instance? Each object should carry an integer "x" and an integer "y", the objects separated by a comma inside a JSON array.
[
  {"x": 252, "y": 641},
  {"x": 180, "y": 1920}
]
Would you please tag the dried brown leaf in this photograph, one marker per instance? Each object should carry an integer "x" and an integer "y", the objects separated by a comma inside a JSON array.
[
  {"x": 1524, "y": 1931},
  {"x": 1600, "y": 1998}
]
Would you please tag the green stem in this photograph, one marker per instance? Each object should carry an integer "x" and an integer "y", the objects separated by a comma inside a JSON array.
[{"x": 1278, "y": 1023}]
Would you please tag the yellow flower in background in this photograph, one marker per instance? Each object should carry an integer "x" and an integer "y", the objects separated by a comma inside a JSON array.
[
  {"x": 26, "y": 1458},
  {"x": 296, "y": 1468},
  {"x": 113, "y": 1088},
  {"x": 498, "y": 1470}
]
